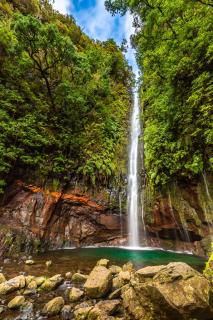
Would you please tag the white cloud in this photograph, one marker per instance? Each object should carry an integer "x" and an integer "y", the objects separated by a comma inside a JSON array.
[
  {"x": 96, "y": 22},
  {"x": 62, "y": 6},
  {"x": 100, "y": 24}
]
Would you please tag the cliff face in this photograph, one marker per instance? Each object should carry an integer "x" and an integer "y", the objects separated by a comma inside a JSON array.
[
  {"x": 182, "y": 218},
  {"x": 56, "y": 219},
  {"x": 33, "y": 219}
]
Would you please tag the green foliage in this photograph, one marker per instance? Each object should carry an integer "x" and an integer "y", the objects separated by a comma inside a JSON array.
[
  {"x": 63, "y": 97},
  {"x": 208, "y": 271},
  {"x": 174, "y": 51}
]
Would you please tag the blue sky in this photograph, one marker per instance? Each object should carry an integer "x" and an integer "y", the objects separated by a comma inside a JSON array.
[{"x": 94, "y": 20}]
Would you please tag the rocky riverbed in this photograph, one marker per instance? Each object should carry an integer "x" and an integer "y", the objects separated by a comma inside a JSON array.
[{"x": 173, "y": 291}]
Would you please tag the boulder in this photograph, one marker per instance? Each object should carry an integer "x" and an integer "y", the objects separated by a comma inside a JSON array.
[
  {"x": 149, "y": 272},
  {"x": 82, "y": 313},
  {"x": 40, "y": 280},
  {"x": 103, "y": 262},
  {"x": 52, "y": 283},
  {"x": 53, "y": 307},
  {"x": 32, "y": 285},
  {"x": 12, "y": 285},
  {"x": 109, "y": 307},
  {"x": 99, "y": 282},
  {"x": 28, "y": 279},
  {"x": 115, "y": 269},
  {"x": 2, "y": 278},
  {"x": 174, "y": 292},
  {"x": 79, "y": 278},
  {"x": 75, "y": 294},
  {"x": 16, "y": 302}
]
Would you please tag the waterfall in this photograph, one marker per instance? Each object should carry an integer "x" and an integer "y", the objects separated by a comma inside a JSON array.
[{"x": 133, "y": 190}]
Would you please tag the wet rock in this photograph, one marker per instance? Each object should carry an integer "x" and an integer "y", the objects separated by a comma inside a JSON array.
[
  {"x": 79, "y": 277},
  {"x": 75, "y": 294},
  {"x": 53, "y": 307},
  {"x": 12, "y": 285},
  {"x": 115, "y": 269},
  {"x": 2, "y": 278},
  {"x": 1, "y": 309},
  {"x": 29, "y": 262},
  {"x": 52, "y": 283},
  {"x": 16, "y": 302},
  {"x": 99, "y": 282},
  {"x": 66, "y": 312},
  {"x": 117, "y": 283},
  {"x": 103, "y": 262},
  {"x": 48, "y": 263}
]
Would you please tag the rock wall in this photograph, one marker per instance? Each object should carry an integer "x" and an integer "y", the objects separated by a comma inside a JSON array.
[
  {"x": 33, "y": 219},
  {"x": 58, "y": 219},
  {"x": 181, "y": 218}
]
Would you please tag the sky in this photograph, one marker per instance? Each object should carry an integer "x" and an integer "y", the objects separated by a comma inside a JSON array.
[{"x": 99, "y": 24}]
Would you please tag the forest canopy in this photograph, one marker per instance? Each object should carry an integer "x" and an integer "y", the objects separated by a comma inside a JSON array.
[
  {"x": 174, "y": 44},
  {"x": 64, "y": 98}
]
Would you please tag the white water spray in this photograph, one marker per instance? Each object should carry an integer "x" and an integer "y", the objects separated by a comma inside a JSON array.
[{"x": 133, "y": 199}]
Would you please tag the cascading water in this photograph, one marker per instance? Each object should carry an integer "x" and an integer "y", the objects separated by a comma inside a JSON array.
[{"x": 133, "y": 190}]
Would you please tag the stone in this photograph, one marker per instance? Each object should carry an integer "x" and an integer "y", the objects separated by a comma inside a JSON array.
[
  {"x": 103, "y": 262},
  {"x": 99, "y": 282},
  {"x": 128, "y": 267},
  {"x": 149, "y": 272},
  {"x": 109, "y": 307},
  {"x": 75, "y": 294},
  {"x": 48, "y": 263},
  {"x": 28, "y": 279},
  {"x": 117, "y": 283},
  {"x": 29, "y": 262},
  {"x": 53, "y": 307},
  {"x": 1, "y": 309},
  {"x": 115, "y": 269},
  {"x": 12, "y": 285},
  {"x": 52, "y": 283},
  {"x": 2, "y": 278},
  {"x": 82, "y": 313},
  {"x": 16, "y": 302},
  {"x": 68, "y": 275},
  {"x": 115, "y": 294},
  {"x": 124, "y": 276},
  {"x": 39, "y": 281},
  {"x": 32, "y": 285},
  {"x": 66, "y": 312},
  {"x": 79, "y": 277}
]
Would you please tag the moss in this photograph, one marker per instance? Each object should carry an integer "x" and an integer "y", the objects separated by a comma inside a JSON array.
[{"x": 208, "y": 271}]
